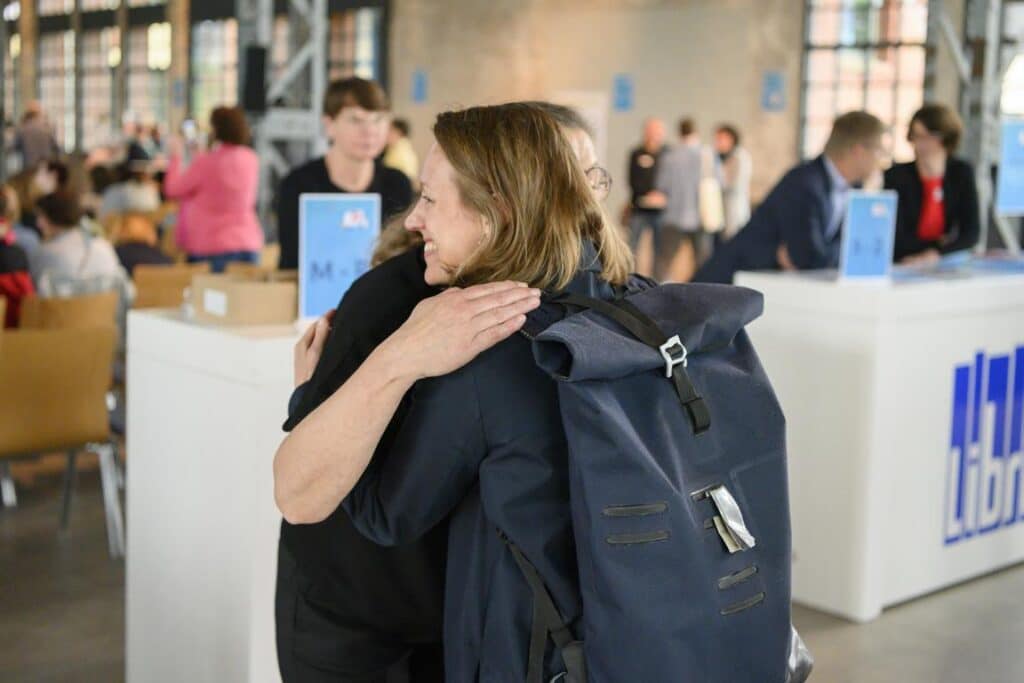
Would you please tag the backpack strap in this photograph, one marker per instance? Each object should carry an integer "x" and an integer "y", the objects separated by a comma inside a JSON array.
[
  {"x": 547, "y": 620},
  {"x": 644, "y": 328}
]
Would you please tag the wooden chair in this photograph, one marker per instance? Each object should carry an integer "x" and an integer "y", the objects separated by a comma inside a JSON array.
[
  {"x": 89, "y": 310},
  {"x": 164, "y": 286},
  {"x": 54, "y": 399}
]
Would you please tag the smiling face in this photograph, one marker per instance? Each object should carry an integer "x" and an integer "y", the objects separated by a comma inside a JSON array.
[{"x": 450, "y": 230}]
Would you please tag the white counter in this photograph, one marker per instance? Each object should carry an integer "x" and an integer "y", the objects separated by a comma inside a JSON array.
[
  {"x": 205, "y": 407},
  {"x": 896, "y": 489}
]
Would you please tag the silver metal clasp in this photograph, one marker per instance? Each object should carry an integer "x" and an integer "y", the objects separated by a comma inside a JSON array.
[{"x": 671, "y": 361}]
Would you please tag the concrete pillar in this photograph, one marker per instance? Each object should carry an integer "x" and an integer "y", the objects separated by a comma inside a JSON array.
[
  {"x": 181, "y": 40},
  {"x": 120, "y": 84},
  {"x": 28, "y": 69}
]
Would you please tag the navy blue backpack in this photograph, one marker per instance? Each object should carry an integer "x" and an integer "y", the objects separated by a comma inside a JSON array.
[{"x": 678, "y": 492}]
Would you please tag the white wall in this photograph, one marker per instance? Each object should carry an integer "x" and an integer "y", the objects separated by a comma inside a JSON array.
[{"x": 704, "y": 58}]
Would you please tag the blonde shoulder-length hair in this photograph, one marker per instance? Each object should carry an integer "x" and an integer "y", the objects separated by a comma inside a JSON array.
[{"x": 514, "y": 167}]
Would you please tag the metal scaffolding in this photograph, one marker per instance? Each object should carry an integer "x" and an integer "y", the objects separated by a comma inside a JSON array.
[
  {"x": 981, "y": 53},
  {"x": 289, "y": 131}
]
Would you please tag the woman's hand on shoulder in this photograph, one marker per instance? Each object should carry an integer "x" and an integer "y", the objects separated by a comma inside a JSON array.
[
  {"x": 310, "y": 347},
  {"x": 447, "y": 331}
]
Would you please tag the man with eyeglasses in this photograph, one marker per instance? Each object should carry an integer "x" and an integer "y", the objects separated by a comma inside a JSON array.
[
  {"x": 356, "y": 115},
  {"x": 798, "y": 226}
]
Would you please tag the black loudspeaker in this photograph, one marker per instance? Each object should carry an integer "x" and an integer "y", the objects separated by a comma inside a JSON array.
[{"x": 254, "y": 89}]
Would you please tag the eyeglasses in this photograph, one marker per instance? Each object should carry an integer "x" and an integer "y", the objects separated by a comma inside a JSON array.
[{"x": 600, "y": 180}]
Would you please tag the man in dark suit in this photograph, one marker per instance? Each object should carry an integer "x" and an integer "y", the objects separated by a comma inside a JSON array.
[{"x": 799, "y": 224}]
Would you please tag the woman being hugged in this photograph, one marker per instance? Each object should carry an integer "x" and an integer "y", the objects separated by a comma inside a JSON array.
[{"x": 504, "y": 199}]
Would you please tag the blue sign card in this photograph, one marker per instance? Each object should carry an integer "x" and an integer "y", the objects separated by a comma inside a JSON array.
[
  {"x": 336, "y": 237},
  {"x": 773, "y": 91},
  {"x": 1010, "y": 190},
  {"x": 623, "y": 92},
  {"x": 868, "y": 235},
  {"x": 420, "y": 86}
]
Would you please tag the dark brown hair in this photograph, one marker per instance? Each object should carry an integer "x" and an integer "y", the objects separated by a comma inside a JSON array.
[
  {"x": 731, "y": 131},
  {"x": 354, "y": 92},
  {"x": 942, "y": 121},
  {"x": 687, "y": 126},
  {"x": 230, "y": 126},
  {"x": 61, "y": 208}
]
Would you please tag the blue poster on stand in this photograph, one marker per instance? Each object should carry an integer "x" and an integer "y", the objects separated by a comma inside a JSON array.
[
  {"x": 1010, "y": 190},
  {"x": 868, "y": 235},
  {"x": 336, "y": 237}
]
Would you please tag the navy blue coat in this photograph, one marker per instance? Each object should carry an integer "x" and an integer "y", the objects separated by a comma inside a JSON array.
[
  {"x": 486, "y": 446},
  {"x": 796, "y": 213}
]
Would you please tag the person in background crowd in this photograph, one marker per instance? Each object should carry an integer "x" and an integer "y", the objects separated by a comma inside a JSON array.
[
  {"x": 645, "y": 206},
  {"x": 34, "y": 139},
  {"x": 52, "y": 176},
  {"x": 678, "y": 190},
  {"x": 100, "y": 177},
  {"x": 799, "y": 224},
  {"x": 735, "y": 169},
  {"x": 134, "y": 192},
  {"x": 136, "y": 144},
  {"x": 938, "y": 199},
  {"x": 217, "y": 194},
  {"x": 70, "y": 260},
  {"x": 15, "y": 278},
  {"x": 21, "y": 192},
  {"x": 355, "y": 118},
  {"x": 400, "y": 153}
]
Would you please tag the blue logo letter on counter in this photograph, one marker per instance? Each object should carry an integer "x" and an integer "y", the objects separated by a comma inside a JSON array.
[{"x": 984, "y": 468}]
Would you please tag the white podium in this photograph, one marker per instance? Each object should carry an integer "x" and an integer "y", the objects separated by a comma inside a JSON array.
[
  {"x": 903, "y": 403},
  {"x": 205, "y": 407}
]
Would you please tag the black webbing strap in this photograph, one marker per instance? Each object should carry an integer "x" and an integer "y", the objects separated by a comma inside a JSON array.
[
  {"x": 546, "y": 620},
  {"x": 641, "y": 326}
]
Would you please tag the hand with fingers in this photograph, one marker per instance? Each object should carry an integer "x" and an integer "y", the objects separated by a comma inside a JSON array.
[
  {"x": 310, "y": 347},
  {"x": 449, "y": 330}
]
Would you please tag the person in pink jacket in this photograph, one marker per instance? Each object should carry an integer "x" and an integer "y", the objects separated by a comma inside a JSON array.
[{"x": 217, "y": 195}]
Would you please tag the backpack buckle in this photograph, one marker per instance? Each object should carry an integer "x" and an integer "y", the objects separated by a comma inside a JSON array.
[{"x": 674, "y": 354}]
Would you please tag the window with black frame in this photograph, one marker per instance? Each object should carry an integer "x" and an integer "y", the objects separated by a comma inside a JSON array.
[
  {"x": 101, "y": 53},
  {"x": 863, "y": 54},
  {"x": 149, "y": 57},
  {"x": 57, "y": 84}
]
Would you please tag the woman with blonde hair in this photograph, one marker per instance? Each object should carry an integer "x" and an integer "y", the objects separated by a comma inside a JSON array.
[{"x": 504, "y": 201}]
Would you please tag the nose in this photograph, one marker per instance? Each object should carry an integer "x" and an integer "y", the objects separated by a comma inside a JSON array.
[{"x": 414, "y": 221}]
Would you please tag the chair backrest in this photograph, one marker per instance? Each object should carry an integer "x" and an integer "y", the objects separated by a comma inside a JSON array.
[
  {"x": 87, "y": 310},
  {"x": 54, "y": 388},
  {"x": 164, "y": 286}
]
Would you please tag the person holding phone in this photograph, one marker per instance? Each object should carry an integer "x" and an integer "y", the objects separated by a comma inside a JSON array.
[{"x": 216, "y": 193}]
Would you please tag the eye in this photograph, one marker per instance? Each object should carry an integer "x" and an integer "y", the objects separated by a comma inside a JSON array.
[{"x": 426, "y": 199}]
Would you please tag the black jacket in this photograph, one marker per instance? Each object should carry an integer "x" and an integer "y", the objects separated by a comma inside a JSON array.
[
  {"x": 960, "y": 198},
  {"x": 388, "y": 598},
  {"x": 796, "y": 213}
]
